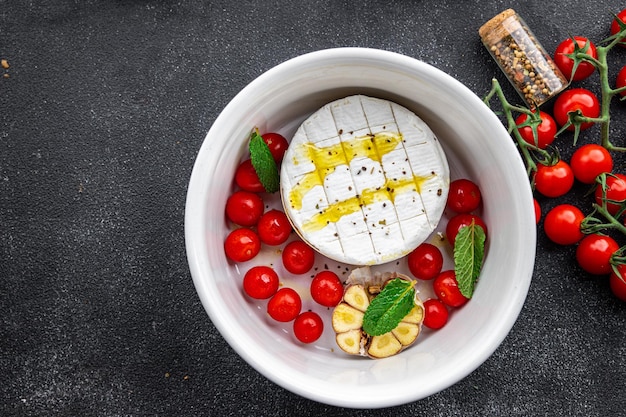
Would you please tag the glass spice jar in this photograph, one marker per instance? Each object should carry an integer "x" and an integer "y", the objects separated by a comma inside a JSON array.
[{"x": 521, "y": 57}]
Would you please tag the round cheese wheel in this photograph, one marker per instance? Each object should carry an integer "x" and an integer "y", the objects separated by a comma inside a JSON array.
[{"x": 364, "y": 181}]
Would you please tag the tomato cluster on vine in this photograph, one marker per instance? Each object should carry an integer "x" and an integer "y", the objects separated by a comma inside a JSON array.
[{"x": 576, "y": 109}]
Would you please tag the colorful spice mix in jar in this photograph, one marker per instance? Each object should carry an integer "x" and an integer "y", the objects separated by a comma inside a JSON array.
[{"x": 521, "y": 57}]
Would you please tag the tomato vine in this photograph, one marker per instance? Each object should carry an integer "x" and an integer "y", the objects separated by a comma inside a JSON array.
[{"x": 607, "y": 212}]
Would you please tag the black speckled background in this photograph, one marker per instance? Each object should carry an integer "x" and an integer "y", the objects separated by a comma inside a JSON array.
[{"x": 102, "y": 111}]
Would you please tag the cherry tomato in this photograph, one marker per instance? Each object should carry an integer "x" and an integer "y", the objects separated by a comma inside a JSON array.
[
  {"x": 326, "y": 289},
  {"x": 463, "y": 196},
  {"x": 242, "y": 245},
  {"x": 425, "y": 261},
  {"x": 589, "y": 161},
  {"x": 566, "y": 64},
  {"x": 308, "y": 327},
  {"x": 593, "y": 253},
  {"x": 244, "y": 208},
  {"x": 618, "y": 282},
  {"x": 435, "y": 314},
  {"x": 247, "y": 179},
  {"x": 461, "y": 220},
  {"x": 447, "y": 290},
  {"x": 537, "y": 211},
  {"x": 277, "y": 143},
  {"x": 573, "y": 100},
  {"x": 562, "y": 224},
  {"x": 620, "y": 80},
  {"x": 615, "y": 191},
  {"x": 554, "y": 180},
  {"x": 274, "y": 227},
  {"x": 615, "y": 25},
  {"x": 285, "y": 305},
  {"x": 546, "y": 130},
  {"x": 260, "y": 282},
  {"x": 298, "y": 257}
]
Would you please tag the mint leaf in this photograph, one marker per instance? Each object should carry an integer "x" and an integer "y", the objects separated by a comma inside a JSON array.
[
  {"x": 469, "y": 251},
  {"x": 263, "y": 163},
  {"x": 389, "y": 307}
]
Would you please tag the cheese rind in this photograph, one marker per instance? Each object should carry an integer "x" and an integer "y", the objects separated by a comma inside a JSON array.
[{"x": 364, "y": 180}]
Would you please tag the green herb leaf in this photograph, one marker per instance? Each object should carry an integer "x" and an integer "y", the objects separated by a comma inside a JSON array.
[
  {"x": 388, "y": 308},
  {"x": 469, "y": 250},
  {"x": 263, "y": 163}
]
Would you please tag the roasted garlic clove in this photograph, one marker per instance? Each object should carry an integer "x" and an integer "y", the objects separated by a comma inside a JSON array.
[
  {"x": 346, "y": 317},
  {"x": 406, "y": 333},
  {"x": 352, "y": 341},
  {"x": 416, "y": 315},
  {"x": 384, "y": 346},
  {"x": 357, "y": 297}
]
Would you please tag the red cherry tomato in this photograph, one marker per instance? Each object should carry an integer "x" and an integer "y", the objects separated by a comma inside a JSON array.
[
  {"x": 277, "y": 143},
  {"x": 244, "y": 208},
  {"x": 562, "y": 224},
  {"x": 298, "y": 257},
  {"x": 260, "y": 282},
  {"x": 620, "y": 80},
  {"x": 537, "y": 211},
  {"x": 326, "y": 289},
  {"x": 618, "y": 282},
  {"x": 247, "y": 179},
  {"x": 463, "y": 196},
  {"x": 447, "y": 290},
  {"x": 589, "y": 161},
  {"x": 435, "y": 314},
  {"x": 573, "y": 100},
  {"x": 308, "y": 327},
  {"x": 242, "y": 245},
  {"x": 425, "y": 261},
  {"x": 274, "y": 227},
  {"x": 615, "y": 191},
  {"x": 615, "y": 25},
  {"x": 285, "y": 305},
  {"x": 554, "y": 180},
  {"x": 461, "y": 220},
  {"x": 546, "y": 130},
  {"x": 593, "y": 253},
  {"x": 566, "y": 64}
]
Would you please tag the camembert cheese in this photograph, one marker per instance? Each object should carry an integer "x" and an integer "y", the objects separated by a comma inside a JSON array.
[{"x": 364, "y": 181}]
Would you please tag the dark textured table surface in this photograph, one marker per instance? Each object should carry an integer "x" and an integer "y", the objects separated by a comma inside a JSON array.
[{"x": 103, "y": 108}]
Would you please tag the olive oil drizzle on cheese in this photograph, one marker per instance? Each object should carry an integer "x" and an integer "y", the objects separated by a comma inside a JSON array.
[{"x": 327, "y": 159}]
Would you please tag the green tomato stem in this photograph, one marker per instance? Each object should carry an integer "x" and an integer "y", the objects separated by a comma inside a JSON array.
[
  {"x": 591, "y": 224},
  {"x": 533, "y": 120}
]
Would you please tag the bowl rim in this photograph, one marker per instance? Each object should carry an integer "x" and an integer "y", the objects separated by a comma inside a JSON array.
[{"x": 193, "y": 213}]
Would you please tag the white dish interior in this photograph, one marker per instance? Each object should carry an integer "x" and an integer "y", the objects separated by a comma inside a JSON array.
[{"x": 477, "y": 147}]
